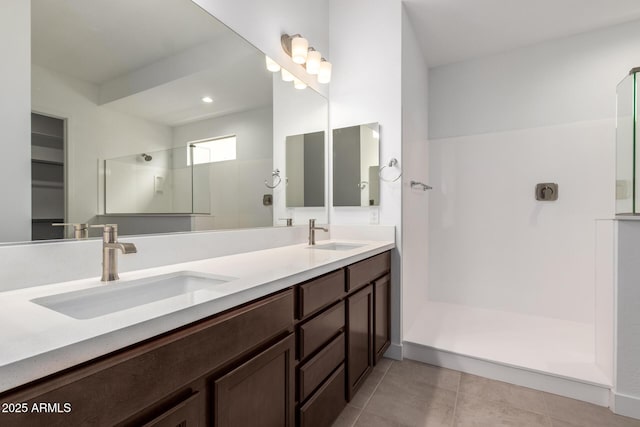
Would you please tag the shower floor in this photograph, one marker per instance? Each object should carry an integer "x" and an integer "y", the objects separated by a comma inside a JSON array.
[{"x": 554, "y": 346}]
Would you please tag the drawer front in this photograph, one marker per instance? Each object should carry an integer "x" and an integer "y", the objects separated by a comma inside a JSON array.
[
  {"x": 319, "y": 330},
  {"x": 320, "y": 292},
  {"x": 121, "y": 385},
  {"x": 185, "y": 414},
  {"x": 316, "y": 370},
  {"x": 368, "y": 270},
  {"x": 326, "y": 404}
]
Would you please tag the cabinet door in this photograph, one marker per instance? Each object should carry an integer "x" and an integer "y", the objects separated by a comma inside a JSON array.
[
  {"x": 359, "y": 338},
  {"x": 260, "y": 391},
  {"x": 382, "y": 318}
]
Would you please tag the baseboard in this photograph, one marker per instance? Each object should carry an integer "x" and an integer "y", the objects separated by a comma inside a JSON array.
[
  {"x": 394, "y": 352},
  {"x": 593, "y": 393},
  {"x": 629, "y": 406}
]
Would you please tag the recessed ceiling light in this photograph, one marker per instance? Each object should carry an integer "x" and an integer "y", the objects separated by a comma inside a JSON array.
[{"x": 207, "y": 99}]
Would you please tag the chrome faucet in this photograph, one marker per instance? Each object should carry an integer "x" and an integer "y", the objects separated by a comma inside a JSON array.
[
  {"x": 110, "y": 246},
  {"x": 312, "y": 231}
]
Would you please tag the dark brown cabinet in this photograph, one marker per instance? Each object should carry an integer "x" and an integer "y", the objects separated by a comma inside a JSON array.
[
  {"x": 186, "y": 414},
  {"x": 359, "y": 338},
  {"x": 326, "y": 404},
  {"x": 291, "y": 358},
  {"x": 318, "y": 331},
  {"x": 368, "y": 324},
  {"x": 136, "y": 385},
  {"x": 260, "y": 391}
]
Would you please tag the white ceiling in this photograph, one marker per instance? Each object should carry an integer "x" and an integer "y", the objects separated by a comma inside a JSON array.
[
  {"x": 456, "y": 30},
  {"x": 102, "y": 41}
]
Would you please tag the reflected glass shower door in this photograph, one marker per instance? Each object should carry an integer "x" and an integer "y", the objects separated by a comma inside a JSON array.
[{"x": 627, "y": 178}]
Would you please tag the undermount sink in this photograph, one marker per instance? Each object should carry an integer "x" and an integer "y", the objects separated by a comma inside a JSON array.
[
  {"x": 336, "y": 246},
  {"x": 114, "y": 297}
]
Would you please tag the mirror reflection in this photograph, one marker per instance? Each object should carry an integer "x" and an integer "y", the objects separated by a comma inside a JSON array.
[
  {"x": 173, "y": 120},
  {"x": 305, "y": 170},
  {"x": 356, "y": 165}
]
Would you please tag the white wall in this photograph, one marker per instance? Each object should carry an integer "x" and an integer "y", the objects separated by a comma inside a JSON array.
[
  {"x": 492, "y": 245},
  {"x": 366, "y": 88},
  {"x": 15, "y": 117},
  {"x": 93, "y": 132},
  {"x": 415, "y": 202},
  {"x": 501, "y": 124},
  {"x": 262, "y": 23},
  {"x": 562, "y": 81}
]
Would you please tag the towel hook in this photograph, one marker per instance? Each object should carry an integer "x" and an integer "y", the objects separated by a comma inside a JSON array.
[
  {"x": 275, "y": 174},
  {"x": 393, "y": 163}
]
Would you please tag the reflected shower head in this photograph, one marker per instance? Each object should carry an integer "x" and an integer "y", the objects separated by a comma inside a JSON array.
[{"x": 146, "y": 157}]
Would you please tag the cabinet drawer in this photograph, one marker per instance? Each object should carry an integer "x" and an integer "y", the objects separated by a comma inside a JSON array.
[
  {"x": 316, "y": 370},
  {"x": 326, "y": 404},
  {"x": 184, "y": 414},
  {"x": 368, "y": 270},
  {"x": 123, "y": 384},
  {"x": 319, "y": 330},
  {"x": 320, "y": 292}
]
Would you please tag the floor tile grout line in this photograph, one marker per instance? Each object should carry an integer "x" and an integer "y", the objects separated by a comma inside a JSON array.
[
  {"x": 455, "y": 403},
  {"x": 372, "y": 393},
  {"x": 546, "y": 410}
]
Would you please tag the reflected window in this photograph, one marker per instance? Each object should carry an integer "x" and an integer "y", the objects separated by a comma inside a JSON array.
[{"x": 212, "y": 150}]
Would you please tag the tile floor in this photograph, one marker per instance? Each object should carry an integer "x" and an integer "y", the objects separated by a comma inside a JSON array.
[{"x": 410, "y": 393}]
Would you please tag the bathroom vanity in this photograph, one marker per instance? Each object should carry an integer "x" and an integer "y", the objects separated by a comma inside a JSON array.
[{"x": 292, "y": 356}]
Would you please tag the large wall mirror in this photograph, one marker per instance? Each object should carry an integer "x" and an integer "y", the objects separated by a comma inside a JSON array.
[
  {"x": 169, "y": 122},
  {"x": 356, "y": 165}
]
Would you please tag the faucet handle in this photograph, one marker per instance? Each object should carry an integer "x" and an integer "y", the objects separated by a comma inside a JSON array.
[
  {"x": 75, "y": 225},
  {"x": 289, "y": 221},
  {"x": 80, "y": 230},
  {"x": 107, "y": 227},
  {"x": 110, "y": 233}
]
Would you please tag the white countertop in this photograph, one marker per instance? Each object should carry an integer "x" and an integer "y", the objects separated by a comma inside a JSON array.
[{"x": 36, "y": 341}]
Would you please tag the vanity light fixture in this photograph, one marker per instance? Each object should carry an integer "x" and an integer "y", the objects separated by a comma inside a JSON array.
[
  {"x": 287, "y": 76},
  {"x": 324, "y": 72},
  {"x": 207, "y": 99},
  {"x": 297, "y": 47},
  {"x": 299, "y": 84},
  {"x": 272, "y": 65},
  {"x": 313, "y": 61}
]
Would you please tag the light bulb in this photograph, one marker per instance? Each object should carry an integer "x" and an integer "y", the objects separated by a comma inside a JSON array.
[
  {"x": 324, "y": 73},
  {"x": 299, "y": 48},
  {"x": 272, "y": 65},
  {"x": 287, "y": 76},
  {"x": 313, "y": 61},
  {"x": 299, "y": 84}
]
